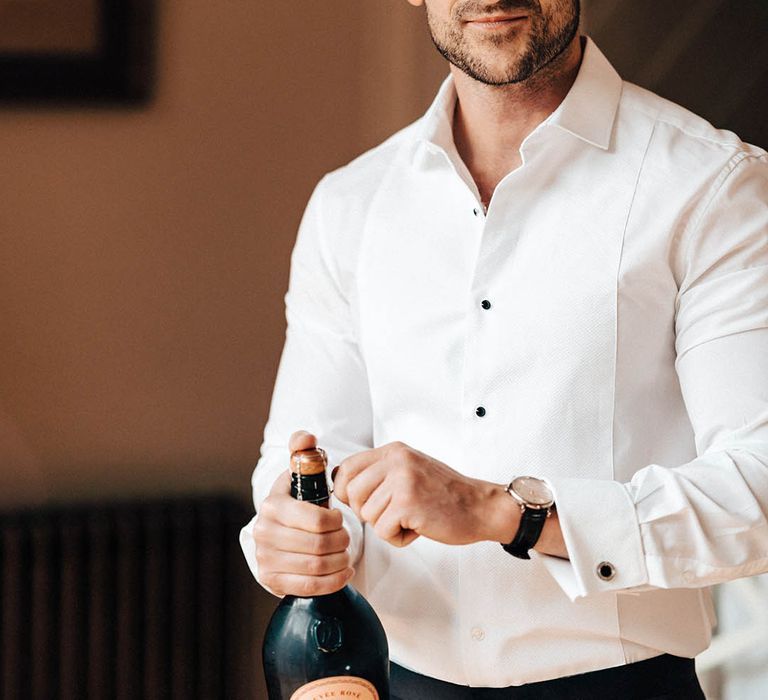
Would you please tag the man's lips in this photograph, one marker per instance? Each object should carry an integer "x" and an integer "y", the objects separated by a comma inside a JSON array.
[{"x": 495, "y": 20}]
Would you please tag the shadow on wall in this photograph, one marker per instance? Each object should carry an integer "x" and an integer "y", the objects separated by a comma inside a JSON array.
[{"x": 710, "y": 56}]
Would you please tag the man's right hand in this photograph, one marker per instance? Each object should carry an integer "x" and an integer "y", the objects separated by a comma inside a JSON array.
[{"x": 301, "y": 548}]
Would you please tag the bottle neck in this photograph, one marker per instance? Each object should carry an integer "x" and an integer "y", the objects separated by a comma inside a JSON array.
[{"x": 312, "y": 488}]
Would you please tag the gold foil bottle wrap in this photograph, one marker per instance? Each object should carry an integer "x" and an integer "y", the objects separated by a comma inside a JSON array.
[{"x": 308, "y": 462}]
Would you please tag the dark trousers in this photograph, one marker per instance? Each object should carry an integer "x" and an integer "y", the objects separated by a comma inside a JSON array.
[{"x": 660, "y": 678}]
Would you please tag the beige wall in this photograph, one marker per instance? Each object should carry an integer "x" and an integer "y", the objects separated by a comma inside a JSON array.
[{"x": 144, "y": 254}]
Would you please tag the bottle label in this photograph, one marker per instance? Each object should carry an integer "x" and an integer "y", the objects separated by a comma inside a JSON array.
[{"x": 337, "y": 688}]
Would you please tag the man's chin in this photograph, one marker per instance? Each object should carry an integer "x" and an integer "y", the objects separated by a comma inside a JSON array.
[
  {"x": 494, "y": 74},
  {"x": 495, "y": 81},
  {"x": 501, "y": 61}
]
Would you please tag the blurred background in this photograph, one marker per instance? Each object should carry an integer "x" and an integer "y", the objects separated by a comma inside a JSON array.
[{"x": 144, "y": 252}]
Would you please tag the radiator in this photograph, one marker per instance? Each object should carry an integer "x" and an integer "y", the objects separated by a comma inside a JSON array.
[{"x": 145, "y": 601}]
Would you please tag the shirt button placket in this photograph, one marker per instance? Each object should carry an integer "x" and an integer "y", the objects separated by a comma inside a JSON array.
[
  {"x": 472, "y": 593},
  {"x": 480, "y": 410}
]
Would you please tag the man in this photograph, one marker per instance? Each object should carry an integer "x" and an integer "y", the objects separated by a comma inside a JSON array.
[{"x": 552, "y": 274}]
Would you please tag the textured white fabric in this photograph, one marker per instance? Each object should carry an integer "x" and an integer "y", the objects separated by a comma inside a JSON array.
[{"x": 624, "y": 357}]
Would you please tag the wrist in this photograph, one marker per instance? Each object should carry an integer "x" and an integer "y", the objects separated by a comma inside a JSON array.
[{"x": 500, "y": 514}]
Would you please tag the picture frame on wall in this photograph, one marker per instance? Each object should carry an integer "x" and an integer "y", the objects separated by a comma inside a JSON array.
[{"x": 77, "y": 51}]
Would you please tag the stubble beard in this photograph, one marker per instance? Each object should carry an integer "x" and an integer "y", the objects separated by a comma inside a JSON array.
[{"x": 547, "y": 38}]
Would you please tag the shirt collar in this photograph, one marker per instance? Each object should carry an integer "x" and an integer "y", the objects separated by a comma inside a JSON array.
[
  {"x": 437, "y": 124},
  {"x": 588, "y": 110}
]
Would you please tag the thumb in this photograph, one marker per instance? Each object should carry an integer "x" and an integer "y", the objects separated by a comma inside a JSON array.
[
  {"x": 301, "y": 440},
  {"x": 282, "y": 484}
]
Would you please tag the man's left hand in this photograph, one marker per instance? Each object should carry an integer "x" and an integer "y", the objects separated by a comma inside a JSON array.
[{"x": 403, "y": 493}]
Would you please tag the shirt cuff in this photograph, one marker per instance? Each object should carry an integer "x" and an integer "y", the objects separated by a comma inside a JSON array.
[{"x": 599, "y": 525}]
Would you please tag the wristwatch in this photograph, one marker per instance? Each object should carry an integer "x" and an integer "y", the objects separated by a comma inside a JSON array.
[{"x": 536, "y": 502}]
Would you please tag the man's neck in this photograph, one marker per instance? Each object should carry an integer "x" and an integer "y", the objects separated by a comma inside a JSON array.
[{"x": 491, "y": 122}]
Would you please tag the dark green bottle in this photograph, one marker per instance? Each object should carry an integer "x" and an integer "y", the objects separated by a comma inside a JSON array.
[{"x": 329, "y": 645}]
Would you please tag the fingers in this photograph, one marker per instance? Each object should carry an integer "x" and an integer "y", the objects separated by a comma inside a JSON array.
[
  {"x": 312, "y": 543},
  {"x": 301, "y": 440},
  {"x": 270, "y": 535},
  {"x": 297, "y": 561},
  {"x": 304, "y": 564},
  {"x": 359, "y": 488},
  {"x": 361, "y": 482},
  {"x": 301, "y": 548},
  {"x": 375, "y": 505},
  {"x": 350, "y": 469},
  {"x": 386, "y": 521},
  {"x": 389, "y": 529},
  {"x": 280, "y": 508},
  {"x": 282, "y": 484}
]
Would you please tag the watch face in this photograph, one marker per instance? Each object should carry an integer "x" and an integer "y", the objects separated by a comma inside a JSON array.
[{"x": 533, "y": 491}]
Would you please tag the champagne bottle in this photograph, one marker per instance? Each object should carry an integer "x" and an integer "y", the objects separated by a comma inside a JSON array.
[{"x": 327, "y": 646}]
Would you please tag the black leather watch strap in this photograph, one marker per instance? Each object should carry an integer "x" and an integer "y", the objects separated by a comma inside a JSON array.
[{"x": 531, "y": 525}]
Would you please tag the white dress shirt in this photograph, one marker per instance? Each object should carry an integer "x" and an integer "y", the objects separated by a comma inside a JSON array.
[{"x": 624, "y": 357}]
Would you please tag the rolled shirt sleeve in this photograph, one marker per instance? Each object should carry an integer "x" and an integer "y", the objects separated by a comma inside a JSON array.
[
  {"x": 321, "y": 383},
  {"x": 703, "y": 522}
]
